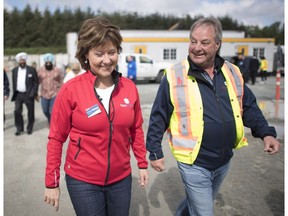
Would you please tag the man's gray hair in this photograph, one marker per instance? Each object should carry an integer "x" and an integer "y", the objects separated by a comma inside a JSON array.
[{"x": 212, "y": 21}]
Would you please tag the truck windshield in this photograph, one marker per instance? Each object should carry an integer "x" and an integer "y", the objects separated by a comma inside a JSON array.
[{"x": 144, "y": 59}]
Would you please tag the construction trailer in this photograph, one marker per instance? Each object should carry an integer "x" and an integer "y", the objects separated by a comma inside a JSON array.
[{"x": 172, "y": 46}]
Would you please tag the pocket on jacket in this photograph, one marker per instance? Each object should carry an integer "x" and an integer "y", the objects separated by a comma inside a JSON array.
[{"x": 79, "y": 148}]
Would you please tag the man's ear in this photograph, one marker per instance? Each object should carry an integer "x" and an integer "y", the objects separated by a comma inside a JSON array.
[{"x": 218, "y": 47}]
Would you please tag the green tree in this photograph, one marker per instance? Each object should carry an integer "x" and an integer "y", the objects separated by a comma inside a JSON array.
[
  {"x": 12, "y": 28},
  {"x": 47, "y": 31}
]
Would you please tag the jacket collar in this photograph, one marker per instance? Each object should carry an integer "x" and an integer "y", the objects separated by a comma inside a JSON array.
[
  {"x": 115, "y": 74},
  {"x": 195, "y": 71}
]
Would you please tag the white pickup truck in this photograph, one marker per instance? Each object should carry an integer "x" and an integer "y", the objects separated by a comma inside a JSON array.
[{"x": 146, "y": 67}]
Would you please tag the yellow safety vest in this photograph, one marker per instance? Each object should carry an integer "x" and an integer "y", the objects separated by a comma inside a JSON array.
[
  {"x": 264, "y": 65},
  {"x": 186, "y": 124}
]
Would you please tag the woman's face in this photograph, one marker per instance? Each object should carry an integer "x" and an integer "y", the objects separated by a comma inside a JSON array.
[{"x": 103, "y": 60}]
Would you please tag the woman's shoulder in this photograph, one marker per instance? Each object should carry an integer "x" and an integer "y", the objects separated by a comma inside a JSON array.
[
  {"x": 80, "y": 80},
  {"x": 127, "y": 81}
]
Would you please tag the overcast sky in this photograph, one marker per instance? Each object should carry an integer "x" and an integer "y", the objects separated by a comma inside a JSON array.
[{"x": 254, "y": 12}]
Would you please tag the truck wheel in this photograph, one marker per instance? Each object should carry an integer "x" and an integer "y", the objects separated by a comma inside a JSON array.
[{"x": 159, "y": 76}]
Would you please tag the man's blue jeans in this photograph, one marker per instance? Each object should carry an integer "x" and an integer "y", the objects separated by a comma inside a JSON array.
[
  {"x": 89, "y": 199},
  {"x": 47, "y": 105},
  {"x": 201, "y": 187}
]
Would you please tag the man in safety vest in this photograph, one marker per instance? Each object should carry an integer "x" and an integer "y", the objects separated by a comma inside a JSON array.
[
  {"x": 263, "y": 69},
  {"x": 203, "y": 104}
]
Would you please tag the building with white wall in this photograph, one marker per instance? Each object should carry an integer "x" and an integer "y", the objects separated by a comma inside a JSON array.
[{"x": 172, "y": 45}]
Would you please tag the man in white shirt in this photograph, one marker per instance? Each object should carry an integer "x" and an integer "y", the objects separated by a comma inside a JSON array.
[{"x": 25, "y": 88}]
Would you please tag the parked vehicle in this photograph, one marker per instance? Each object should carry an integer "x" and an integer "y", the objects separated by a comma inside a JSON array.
[
  {"x": 146, "y": 67},
  {"x": 282, "y": 71},
  {"x": 232, "y": 59}
]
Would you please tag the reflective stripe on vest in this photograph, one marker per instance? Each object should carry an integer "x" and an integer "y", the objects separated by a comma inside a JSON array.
[
  {"x": 186, "y": 124},
  {"x": 235, "y": 77},
  {"x": 235, "y": 86}
]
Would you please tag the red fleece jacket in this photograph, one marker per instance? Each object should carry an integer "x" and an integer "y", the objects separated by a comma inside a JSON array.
[{"x": 99, "y": 144}]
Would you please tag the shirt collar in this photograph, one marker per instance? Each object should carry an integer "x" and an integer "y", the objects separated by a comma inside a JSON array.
[{"x": 194, "y": 69}]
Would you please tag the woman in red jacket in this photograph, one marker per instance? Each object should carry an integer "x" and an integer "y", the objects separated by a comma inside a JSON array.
[{"x": 100, "y": 111}]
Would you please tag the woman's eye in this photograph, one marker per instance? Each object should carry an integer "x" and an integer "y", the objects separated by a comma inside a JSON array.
[{"x": 112, "y": 53}]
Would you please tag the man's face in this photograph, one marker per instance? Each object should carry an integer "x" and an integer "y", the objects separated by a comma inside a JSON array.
[
  {"x": 48, "y": 65},
  {"x": 75, "y": 68},
  {"x": 203, "y": 47},
  {"x": 240, "y": 57},
  {"x": 22, "y": 63}
]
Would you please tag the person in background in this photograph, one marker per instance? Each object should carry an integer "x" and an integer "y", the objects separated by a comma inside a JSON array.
[
  {"x": 254, "y": 67},
  {"x": 131, "y": 65},
  {"x": 25, "y": 88},
  {"x": 263, "y": 69},
  {"x": 75, "y": 71},
  {"x": 203, "y": 104},
  {"x": 243, "y": 64},
  {"x": 34, "y": 65},
  {"x": 6, "y": 91},
  {"x": 50, "y": 80},
  {"x": 101, "y": 112}
]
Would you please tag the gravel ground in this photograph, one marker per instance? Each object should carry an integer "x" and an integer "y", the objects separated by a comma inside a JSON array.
[{"x": 253, "y": 187}]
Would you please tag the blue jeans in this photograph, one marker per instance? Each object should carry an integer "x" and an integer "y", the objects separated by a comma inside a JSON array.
[
  {"x": 93, "y": 200},
  {"x": 47, "y": 105},
  {"x": 201, "y": 187}
]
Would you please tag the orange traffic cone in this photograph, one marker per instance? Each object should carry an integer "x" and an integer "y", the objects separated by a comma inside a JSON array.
[{"x": 278, "y": 78}]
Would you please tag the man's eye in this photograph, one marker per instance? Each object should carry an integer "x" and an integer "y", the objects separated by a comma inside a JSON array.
[{"x": 205, "y": 42}]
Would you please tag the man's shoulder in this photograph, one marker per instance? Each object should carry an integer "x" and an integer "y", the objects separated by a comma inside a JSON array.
[
  {"x": 181, "y": 62},
  {"x": 30, "y": 68},
  {"x": 58, "y": 69}
]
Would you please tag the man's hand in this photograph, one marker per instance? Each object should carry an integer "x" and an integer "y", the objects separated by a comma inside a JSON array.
[
  {"x": 271, "y": 145},
  {"x": 52, "y": 196},
  {"x": 158, "y": 165},
  {"x": 37, "y": 98}
]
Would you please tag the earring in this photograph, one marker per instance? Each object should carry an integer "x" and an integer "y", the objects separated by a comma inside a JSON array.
[{"x": 86, "y": 61}]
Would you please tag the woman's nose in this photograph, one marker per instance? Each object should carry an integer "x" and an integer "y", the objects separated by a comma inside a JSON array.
[{"x": 106, "y": 58}]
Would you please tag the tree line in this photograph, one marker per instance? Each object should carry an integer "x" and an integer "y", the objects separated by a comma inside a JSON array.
[{"x": 40, "y": 31}]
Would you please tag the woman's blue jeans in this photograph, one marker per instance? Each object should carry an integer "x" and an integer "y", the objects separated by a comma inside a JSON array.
[
  {"x": 93, "y": 200},
  {"x": 47, "y": 105},
  {"x": 201, "y": 187}
]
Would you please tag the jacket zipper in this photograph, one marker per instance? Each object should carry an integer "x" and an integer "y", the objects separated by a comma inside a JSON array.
[
  {"x": 223, "y": 119},
  {"x": 79, "y": 148},
  {"x": 109, "y": 148},
  {"x": 110, "y": 134},
  {"x": 110, "y": 128}
]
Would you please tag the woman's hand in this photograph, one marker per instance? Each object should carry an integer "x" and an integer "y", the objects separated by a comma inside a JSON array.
[
  {"x": 52, "y": 196},
  {"x": 143, "y": 177}
]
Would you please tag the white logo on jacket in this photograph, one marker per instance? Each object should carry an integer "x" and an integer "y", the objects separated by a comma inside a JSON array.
[{"x": 126, "y": 103}]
